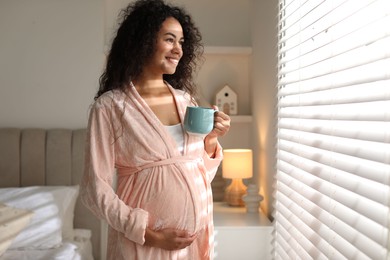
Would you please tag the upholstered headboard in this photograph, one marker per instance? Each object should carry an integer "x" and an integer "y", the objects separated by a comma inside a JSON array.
[{"x": 30, "y": 157}]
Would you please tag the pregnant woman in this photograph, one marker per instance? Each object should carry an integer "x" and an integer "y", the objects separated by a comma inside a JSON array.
[{"x": 161, "y": 207}]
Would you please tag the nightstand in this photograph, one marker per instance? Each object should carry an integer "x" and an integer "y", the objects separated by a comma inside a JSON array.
[{"x": 240, "y": 235}]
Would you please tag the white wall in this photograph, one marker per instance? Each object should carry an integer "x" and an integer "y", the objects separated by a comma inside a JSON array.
[
  {"x": 221, "y": 22},
  {"x": 50, "y": 59},
  {"x": 264, "y": 79}
]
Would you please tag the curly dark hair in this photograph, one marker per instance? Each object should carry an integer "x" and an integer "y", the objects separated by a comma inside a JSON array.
[{"x": 135, "y": 41}]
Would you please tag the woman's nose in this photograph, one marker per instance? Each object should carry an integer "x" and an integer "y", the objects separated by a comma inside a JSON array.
[{"x": 177, "y": 48}]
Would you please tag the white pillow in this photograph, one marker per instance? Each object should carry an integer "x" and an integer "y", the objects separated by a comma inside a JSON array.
[
  {"x": 68, "y": 217},
  {"x": 12, "y": 221},
  {"x": 53, "y": 208}
]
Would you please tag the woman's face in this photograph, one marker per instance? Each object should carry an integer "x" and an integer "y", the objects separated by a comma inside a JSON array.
[{"x": 168, "y": 49}]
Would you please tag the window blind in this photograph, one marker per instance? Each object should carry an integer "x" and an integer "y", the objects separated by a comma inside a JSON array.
[{"x": 332, "y": 185}]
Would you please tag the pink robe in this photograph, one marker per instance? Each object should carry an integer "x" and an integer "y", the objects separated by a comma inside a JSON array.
[{"x": 158, "y": 187}]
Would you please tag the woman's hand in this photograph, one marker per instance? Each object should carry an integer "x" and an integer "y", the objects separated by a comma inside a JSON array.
[
  {"x": 169, "y": 238},
  {"x": 221, "y": 123},
  {"x": 221, "y": 127}
]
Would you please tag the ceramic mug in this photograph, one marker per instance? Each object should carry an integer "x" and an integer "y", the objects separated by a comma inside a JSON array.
[{"x": 199, "y": 120}]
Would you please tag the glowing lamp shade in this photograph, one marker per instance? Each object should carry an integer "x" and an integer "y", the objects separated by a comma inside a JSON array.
[{"x": 236, "y": 165}]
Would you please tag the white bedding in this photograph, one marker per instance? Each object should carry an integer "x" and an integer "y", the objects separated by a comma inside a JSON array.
[
  {"x": 78, "y": 249},
  {"x": 53, "y": 214}
]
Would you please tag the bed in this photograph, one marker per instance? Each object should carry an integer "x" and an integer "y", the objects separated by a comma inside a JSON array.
[{"x": 41, "y": 216}]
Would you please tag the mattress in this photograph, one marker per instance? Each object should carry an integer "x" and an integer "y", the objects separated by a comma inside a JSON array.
[{"x": 78, "y": 249}]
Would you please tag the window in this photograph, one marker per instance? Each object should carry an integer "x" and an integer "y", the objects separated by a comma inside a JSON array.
[{"x": 332, "y": 186}]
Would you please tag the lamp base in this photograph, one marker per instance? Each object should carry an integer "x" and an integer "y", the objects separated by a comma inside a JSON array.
[
  {"x": 252, "y": 199},
  {"x": 234, "y": 193}
]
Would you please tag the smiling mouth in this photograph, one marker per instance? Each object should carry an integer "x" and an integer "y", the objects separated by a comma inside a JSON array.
[{"x": 173, "y": 60}]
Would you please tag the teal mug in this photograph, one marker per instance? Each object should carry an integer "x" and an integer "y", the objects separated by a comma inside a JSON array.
[{"x": 199, "y": 120}]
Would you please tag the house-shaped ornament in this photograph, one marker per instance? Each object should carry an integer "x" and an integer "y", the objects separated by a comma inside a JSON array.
[{"x": 226, "y": 100}]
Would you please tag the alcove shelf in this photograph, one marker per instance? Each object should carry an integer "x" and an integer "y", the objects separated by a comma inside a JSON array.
[{"x": 229, "y": 65}]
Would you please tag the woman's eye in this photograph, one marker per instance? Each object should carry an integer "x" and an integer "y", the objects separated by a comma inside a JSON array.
[{"x": 170, "y": 40}]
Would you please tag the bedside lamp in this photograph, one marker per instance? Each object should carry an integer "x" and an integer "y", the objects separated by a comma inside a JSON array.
[{"x": 236, "y": 165}]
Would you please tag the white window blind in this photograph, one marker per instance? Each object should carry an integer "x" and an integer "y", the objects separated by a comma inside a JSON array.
[{"x": 332, "y": 186}]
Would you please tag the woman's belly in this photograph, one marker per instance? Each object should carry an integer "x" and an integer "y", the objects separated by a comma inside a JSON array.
[{"x": 174, "y": 196}]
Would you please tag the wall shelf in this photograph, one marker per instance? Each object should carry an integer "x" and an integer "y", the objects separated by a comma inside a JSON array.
[{"x": 229, "y": 65}]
